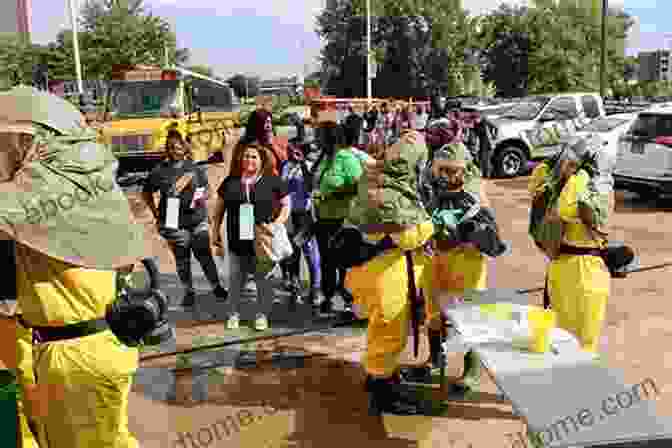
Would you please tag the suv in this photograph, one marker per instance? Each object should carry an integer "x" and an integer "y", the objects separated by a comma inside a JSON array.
[
  {"x": 644, "y": 164},
  {"x": 534, "y": 127}
]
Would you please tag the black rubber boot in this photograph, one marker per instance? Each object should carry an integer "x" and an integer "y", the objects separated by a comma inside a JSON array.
[
  {"x": 437, "y": 359},
  {"x": 386, "y": 398}
]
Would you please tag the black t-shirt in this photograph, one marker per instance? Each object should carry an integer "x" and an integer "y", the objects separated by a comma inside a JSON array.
[
  {"x": 264, "y": 196},
  {"x": 164, "y": 177}
]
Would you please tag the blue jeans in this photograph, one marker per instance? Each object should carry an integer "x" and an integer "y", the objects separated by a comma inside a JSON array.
[{"x": 310, "y": 250}]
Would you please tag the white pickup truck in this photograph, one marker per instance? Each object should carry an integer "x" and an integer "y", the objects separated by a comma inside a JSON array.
[{"x": 533, "y": 128}]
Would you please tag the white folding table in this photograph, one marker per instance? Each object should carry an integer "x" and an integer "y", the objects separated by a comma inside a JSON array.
[{"x": 560, "y": 394}]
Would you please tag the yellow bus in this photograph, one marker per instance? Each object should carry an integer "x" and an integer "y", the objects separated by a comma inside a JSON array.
[{"x": 142, "y": 103}]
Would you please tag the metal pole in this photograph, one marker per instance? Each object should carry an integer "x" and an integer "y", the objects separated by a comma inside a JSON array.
[
  {"x": 603, "y": 62},
  {"x": 75, "y": 44},
  {"x": 368, "y": 50}
]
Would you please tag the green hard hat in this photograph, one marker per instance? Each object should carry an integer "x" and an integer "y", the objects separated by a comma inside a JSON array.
[{"x": 27, "y": 104}]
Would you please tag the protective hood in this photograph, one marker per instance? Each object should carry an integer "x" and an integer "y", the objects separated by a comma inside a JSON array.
[
  {"x": 388, "y": 190},
  {"x": 26, "y": 104},
  {"x": 62, "y": 199}
]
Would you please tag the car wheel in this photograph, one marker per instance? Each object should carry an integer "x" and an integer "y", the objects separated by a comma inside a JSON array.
[{"x": 511, "y": 161}]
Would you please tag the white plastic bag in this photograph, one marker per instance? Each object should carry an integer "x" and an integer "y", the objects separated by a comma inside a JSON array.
[{"x": 281, "y": 247}]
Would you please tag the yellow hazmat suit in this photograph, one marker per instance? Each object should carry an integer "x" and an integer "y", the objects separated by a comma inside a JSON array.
[
  {"x": 83, "y": 384},
  {"x": 73, "y": 229},
  {"x": 19, "y": 357},
  {"x": 578, "y": 285},
  {"x": 380, "y": 289},
  {"x": 536, "y": 182}
]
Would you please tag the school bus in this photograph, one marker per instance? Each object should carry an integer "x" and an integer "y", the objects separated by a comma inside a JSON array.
[{"x": 142, "y": 103}]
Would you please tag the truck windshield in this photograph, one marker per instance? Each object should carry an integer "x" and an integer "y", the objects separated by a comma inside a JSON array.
[
  {"x": 527, "y": 109},
  {"x": 144, "y": 98}
]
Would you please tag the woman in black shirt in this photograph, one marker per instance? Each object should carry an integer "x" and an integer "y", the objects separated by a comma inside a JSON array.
[
  {"x": 252, "y": 198},
  {"x": 182, "y": 214}
]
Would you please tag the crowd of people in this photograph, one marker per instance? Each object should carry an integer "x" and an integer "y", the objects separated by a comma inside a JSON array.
[
  {"x": 395, "y": 172},
  {"x": 307, "y": 187},
  {"x": 416, "y": 200}
]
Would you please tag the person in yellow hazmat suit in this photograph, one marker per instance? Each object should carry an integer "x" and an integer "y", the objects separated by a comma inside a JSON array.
[
  {"x": 451, "y": 185},
  {"x": 578, "y": 278},
  {"x": 388, "y": 206},
  {"x": 18, "y": 358},
  {"x": 74, "y": 231}
]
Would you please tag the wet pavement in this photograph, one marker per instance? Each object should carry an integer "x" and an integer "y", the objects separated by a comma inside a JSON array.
[{"x": 307, "y": 390}]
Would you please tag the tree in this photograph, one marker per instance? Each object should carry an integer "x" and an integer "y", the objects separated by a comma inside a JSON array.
[
  {"x": 17, "y": 59},
  {"x": 244, "y": 86},
  {"x": 559, "y": 42},
  {"x": 418, "y": 44},
  {"x": 506, "y": 44},
  {"x": 630, "y": 67},
  {"x": 122, "y": 32}
]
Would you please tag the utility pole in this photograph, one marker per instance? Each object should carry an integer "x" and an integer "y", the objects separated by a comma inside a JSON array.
[
  {"x": 75, "y": 44},
  {"x": 603, "y": 62}
]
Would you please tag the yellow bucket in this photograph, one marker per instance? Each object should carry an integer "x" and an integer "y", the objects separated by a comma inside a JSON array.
[{"x": 541, "y": 322}]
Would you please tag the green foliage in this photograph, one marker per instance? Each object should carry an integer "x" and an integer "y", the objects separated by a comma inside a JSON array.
[
  {"x": 123, "y": 32},
  {"x": 554, "y": 46},
  {"x": 17, "y": 58},
  {"x": 111, "y": 32},
  {"x": 419, "y": 46}
]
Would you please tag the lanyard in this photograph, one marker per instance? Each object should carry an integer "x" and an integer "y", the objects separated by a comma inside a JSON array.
[{"x": 247, "y": 188}]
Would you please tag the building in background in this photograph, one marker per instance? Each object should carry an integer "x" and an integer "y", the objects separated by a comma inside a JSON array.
[
  {"x": 290, "y": 86},
  {"x": 654, "y": 66},
  {"x": 15, "y": 17}
]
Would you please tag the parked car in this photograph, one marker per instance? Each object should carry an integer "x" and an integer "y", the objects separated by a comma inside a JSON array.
[
  {"x": 644, "y": 164},
  {"x": 532, "y": 129},
  {"x": 610, "y": 129}
]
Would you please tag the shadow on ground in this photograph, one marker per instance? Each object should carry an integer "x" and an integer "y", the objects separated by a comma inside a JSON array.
[{"x": 324, "y": 395}]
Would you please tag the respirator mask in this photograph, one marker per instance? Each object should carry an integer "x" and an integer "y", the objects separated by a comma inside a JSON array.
[{"x": 139, "y": 316}]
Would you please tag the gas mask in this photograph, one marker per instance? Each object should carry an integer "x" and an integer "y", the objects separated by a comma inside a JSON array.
[{"x": 140, "y": 316}]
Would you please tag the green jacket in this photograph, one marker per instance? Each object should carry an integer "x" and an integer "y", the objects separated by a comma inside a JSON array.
[{"x": 337, "y": 184}]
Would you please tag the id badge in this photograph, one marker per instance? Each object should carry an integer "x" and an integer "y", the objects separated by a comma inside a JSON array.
[
  {"x": 172, "y": 213},
  {"x": 246, "y": 222}
]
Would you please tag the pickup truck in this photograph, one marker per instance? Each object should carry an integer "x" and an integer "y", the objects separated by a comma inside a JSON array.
[{"x": 533, "y": 128}]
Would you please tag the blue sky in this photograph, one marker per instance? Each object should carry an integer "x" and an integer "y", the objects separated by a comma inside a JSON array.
[{"x": 276, "y": 37}]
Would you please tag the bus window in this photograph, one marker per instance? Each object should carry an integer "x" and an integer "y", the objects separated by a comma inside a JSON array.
[
  {"x": 142, "y": 98},
  {"x": 211, "y": 97}
]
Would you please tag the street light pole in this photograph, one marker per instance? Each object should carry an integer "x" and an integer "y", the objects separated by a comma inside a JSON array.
[
  {"x": 603, "y": 62},
  {"x": 75, "y": 44},
  {"x": 368, "y": 50}
]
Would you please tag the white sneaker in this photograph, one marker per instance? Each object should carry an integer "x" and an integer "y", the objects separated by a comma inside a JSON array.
[
  {"x": 261, "y": 322},
  {"x": 234, "y": 321}
]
